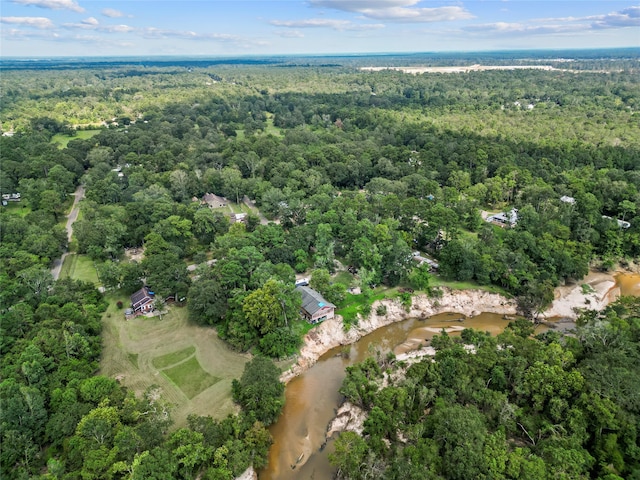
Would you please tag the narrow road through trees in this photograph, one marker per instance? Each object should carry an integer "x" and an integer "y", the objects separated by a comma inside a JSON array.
[{"x": 71, "y": 218}]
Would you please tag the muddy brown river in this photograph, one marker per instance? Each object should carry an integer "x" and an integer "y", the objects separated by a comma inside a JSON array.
[{"x": 312, "y": 398}]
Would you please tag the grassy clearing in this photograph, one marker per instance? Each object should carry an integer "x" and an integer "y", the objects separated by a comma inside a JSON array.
[
  {"x": 344, "y": 278},
  {"x": 131, "y": 349},
  {"x": 169, "y": 359},
  {"x": 79, "y": 267},
  {"x": 63, "y": 140},
  {"x": 190, "y": 377},
  {"x": 359, "y": 304},
  {"x": 133, "y": 358},
  {"x": 437, "y": 281},
  {"x": 235, "y": 207},
  {"x": 21, "y": 209},
  {"x": 301, "y": 327},
  {"x": 270, "y": 128}
]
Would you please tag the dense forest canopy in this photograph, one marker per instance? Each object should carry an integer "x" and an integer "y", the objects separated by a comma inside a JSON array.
[
  {"x": 345, "y": 167},
  {"x": 503, "y": 407}
]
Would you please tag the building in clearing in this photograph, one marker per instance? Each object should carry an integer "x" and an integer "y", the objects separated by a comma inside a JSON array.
[
  {"x": 142, "y": 300},
  {"x": 214, "y": 201},
  {"x": 505, "y": 218},
  {"x": 315, "y": 308}
]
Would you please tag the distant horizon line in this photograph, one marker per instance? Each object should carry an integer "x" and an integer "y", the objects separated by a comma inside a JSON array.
[{"x": 325, "y": 55}]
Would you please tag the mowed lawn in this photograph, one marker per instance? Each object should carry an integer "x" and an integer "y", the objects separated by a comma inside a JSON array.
[
  {"x": 191, "y": 365},
  {"x": 63, "y": 140},
  {"x": 21, "y": 209},
  {"x": 79, "y": 267},
  {"x": 189, "y": 377}
]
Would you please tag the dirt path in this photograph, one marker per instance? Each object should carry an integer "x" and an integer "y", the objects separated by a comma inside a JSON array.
[
  {"x": 72, "y": 217},
  {"x": 254, "y": 209}
]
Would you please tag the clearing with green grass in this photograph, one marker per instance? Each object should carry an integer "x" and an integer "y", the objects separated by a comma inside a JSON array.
[
  {"x": 21, "y": 209},
  {"x": 189, "y": 377},
  {"x": 169, "y": 359},
  {"x": 63, "y": 140},
  {"x": 79, "y": 267},
  {"x": 191, "y": 365}
]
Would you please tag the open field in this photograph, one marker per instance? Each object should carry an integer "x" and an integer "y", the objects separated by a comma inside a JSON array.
[
  {"x": 63, "y": 140},
  {"x": 189, "y": 377},
  {"x": 191, "y": 365},
  {"x": 79, "y": 267},
  {"x": 169, "y": 359},
  {"x": 271, "y": 129},
  {"x": 20, "y": 209}
]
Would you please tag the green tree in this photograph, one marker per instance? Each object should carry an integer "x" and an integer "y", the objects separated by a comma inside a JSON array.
[
  {"x": 207, "y": 301},
  {"x": 324, "y": 244},
  {"x": 274, "y": 305},
  {"x": 259, "y": 391}
]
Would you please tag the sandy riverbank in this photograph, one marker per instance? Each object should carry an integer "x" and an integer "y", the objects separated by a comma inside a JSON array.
[
  {"x": 601, "y": 291},
  {"x": 568, "y": 299},
  {"x": 331, "y": 333}
]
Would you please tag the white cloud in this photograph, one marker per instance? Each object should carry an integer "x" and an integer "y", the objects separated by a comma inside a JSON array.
[
  {"x": 359, "y": 5},
  {"x": 325, "y": 23},
  {"x": 53, "y": 4},
  {"x": 419, "y": 15},
  {"x": 117, "y": 28},
  {"x": 403, "y": 11},
  {"x": 159, "y": 33},
  {"x": 35, "y": 22},
  {"x": 628, "y": 17},
  {"x": 290, "y": 34},
  {"x": 16, "y": 34},
  {"x": 93, "y": 24},
  {"x": 112, "y": 13},
  {"x": 522, "y": 28}
]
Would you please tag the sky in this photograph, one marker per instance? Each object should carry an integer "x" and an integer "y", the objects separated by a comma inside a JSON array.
[{"x": 46, "y": 28}]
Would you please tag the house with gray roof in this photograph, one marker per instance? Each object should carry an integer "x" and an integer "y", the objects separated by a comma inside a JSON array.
[
  {"x": 314, "y": 307},
  {"x": 503, "y": 219},
  {"x": 142, "y": 300}
]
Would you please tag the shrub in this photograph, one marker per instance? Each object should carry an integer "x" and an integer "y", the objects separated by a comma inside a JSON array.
[
  {"x": 381, "y": 310},
  {"x": 406, "y": 300}
]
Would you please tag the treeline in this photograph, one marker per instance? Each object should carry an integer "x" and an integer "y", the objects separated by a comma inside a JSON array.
[
  {"x": 357, "y": 177},
  {"x": 503, "y": 407}
]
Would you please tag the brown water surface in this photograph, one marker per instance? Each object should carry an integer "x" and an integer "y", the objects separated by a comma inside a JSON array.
[
  {"x": 629, "y": 283},
  {"x": 312, "y": 398}
]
